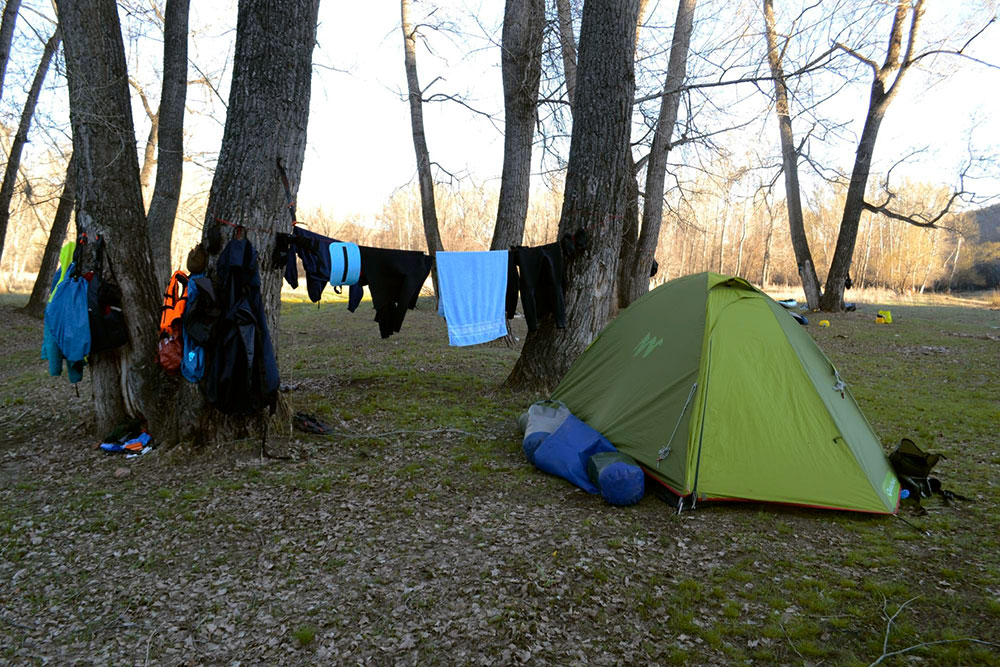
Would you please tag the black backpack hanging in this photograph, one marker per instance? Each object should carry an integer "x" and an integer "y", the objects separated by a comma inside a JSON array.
[{"x": 104, "y": 307}]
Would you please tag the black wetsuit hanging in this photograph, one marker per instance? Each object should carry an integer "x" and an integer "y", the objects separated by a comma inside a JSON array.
[
  {"x": 394, "y": 278},
  {"x": 541, "y": 283}
]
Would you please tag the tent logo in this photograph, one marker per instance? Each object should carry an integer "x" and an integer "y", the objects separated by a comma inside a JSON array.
[
  {"x": 647, "y": 345},
  {"x": 889, "y": 484}
]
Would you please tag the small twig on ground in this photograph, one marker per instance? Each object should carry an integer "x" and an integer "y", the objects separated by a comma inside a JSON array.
[
  {"x": 16, "y": 419},
  {"x": 15, "y": 625},
  {"x": 790, "y": 640},
  {"x": 890, "y": 619},
  {"x": 886, "y": 653},
  {"x": 150, "y": 641},
  {"x": 923, "y": 644}
]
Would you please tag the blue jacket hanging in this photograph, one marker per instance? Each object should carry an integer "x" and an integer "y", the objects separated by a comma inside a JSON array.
[{"x": 67, "y": 324}]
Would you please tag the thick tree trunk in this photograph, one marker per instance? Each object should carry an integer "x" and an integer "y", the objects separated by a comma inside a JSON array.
[
  {"x": 170, "y": 163},
  {"x": 109, "y": 201},
  {"x": 636, "y": 274},
  {"x": 567, "y": 44},
  {"x": 790, "y": 164},
  {"x": 57, "y": 236},
  {"x": 267, "y": 117},
  {"x": 595, "y": 191},
  {"x": 424, "y": 176},
  {"x": 521, "y": 65},
  {"x": 21, "y": 136},
  {"x": 7, "y": 37}
]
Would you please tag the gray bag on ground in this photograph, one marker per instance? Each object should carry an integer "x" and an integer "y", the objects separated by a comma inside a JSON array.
[{"x": 541, "y": 419}]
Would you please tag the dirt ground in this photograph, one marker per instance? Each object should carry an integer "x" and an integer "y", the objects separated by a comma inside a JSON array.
[{"x": 419, "y": 534}]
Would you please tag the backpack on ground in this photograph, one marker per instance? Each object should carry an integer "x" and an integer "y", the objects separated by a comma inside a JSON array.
[{"x": 913, "y": 467}]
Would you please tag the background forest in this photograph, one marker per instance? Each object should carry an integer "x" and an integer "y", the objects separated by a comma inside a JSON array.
[{"x": 725, "y": 209}]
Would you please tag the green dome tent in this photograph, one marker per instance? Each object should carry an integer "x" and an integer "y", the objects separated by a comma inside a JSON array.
[{"x": 720, "y": 394}]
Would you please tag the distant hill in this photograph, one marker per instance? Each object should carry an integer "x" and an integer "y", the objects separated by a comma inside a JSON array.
[{"x": 988, "y": 220}]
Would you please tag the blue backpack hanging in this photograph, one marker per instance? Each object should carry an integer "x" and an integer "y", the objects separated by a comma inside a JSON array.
[{"x": 193, "y": 359}]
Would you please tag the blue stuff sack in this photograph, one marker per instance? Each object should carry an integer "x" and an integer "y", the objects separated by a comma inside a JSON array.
[
  {"x": 621, "y": 483},
  {"x": 345, "y": 263}
]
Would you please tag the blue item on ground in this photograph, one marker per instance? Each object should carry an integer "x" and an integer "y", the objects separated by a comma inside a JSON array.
[
  {"x": 622, "y": 484},
  {"x": 473, "y": 296},
  {"x": 565, "y": 453},
  {"x": 345, "y": 263}
]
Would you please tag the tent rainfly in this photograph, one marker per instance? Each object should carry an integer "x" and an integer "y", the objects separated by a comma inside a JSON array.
[{"x": 720, "y": 395}]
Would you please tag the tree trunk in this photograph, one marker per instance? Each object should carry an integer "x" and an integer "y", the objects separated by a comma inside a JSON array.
[
  {"x": 636, "y": 275},
  {"x": 7, "y": 37},
  {"x": 567, "y": 43},
  {"x": 521, "y": 65},
  {"x": 57, "y": 236},
  {"x": 149, "y": 154},
  {"x": 21, "y": 136},
  {"x": 428, "y": 211},
  {"x": 268, "y": 113},
  {"x": 885, "y": 86},
  {"x": 630, "y": 223},
  {"x": 630, "y": 232},
  {"x": 954, "y": 264},
  {"x": 170, "y": 162},
  {"x": 595, "y": 191},
  {"x": 109, "y": 201},
  {"x": 766, "y": 260},
  {"x": 790, "y": 166},
  {"x": 840, "y": 266}
]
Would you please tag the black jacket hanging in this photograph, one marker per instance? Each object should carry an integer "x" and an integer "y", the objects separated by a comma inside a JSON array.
[{"x": 242, "y": 376}]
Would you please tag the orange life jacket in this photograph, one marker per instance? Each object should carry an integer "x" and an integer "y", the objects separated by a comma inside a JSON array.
[{"x": 174, "y": 301}]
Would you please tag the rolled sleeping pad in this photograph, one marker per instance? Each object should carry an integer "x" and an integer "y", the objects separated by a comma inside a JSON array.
[
  {"x": 618, "y": 476},
  {"x": 541, "y": 419},
  {"x": 345, "y": 263}
]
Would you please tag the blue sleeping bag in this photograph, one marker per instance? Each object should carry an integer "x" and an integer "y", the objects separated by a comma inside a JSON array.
[{"x": 566, "y": 452}]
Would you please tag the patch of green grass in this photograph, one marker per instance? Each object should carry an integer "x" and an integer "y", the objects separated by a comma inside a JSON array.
[{"x": 304, "y": 634}]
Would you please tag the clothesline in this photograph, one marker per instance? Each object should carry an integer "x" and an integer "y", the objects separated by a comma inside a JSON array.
[{"x": 477, "y": 288}]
